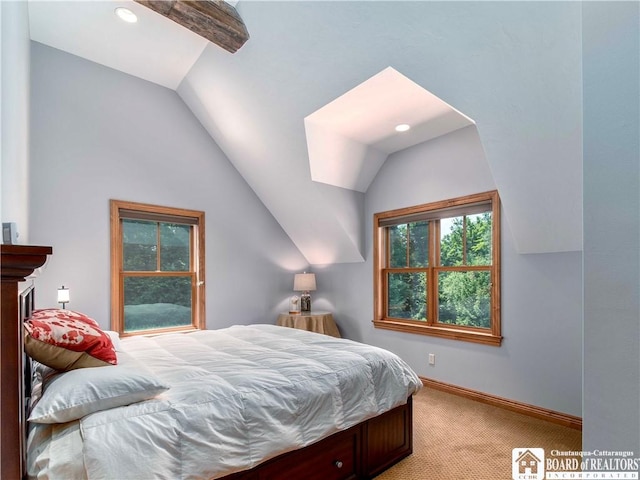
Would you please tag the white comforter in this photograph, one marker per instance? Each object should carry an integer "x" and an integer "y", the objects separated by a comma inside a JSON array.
[{"x": 239, "y": 396}]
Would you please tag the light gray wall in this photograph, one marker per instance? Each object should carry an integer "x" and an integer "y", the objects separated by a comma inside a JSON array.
[
  {"x": 98, "y": 134},
  {"x": 14, "y": 104},
  {"x": 540, "y": 360},
  {"x": 611, "y": 66}
]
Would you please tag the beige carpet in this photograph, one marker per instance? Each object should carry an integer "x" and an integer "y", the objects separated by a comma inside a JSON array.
[{"x": 458, "y": 439}]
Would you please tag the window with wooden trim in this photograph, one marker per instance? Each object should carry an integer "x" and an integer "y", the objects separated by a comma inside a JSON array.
[
  {"x": 157, "y": 269},
  {"x": 437, "y": 269}
]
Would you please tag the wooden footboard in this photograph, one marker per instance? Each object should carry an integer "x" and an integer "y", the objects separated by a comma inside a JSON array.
[{"x": 361, "y": 452}]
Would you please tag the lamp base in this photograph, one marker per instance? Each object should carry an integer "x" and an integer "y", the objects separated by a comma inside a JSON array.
[{"x": 305, "y": 302}]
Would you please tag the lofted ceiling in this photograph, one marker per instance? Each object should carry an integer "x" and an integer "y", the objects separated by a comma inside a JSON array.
[
  {"x": 305, "y": 109},
  {"x": 348, "y": 139}
]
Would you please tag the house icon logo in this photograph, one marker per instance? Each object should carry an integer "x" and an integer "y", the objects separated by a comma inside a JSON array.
[{"x": 528, "y": 463}]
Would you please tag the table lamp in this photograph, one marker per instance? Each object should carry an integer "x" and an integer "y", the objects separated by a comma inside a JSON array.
[{"x": 304, "y": 282}]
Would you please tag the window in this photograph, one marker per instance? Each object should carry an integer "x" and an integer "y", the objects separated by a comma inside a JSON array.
[
  {"x": 157, "y": 269},
  {"x": 437, "y": 269}
]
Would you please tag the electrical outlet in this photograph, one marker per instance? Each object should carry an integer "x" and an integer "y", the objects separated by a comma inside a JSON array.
[{"x": 432, "y": 359}]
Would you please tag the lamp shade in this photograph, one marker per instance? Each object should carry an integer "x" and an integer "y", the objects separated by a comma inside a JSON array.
[
  {"x": 63, "y": 295},
  {"x": 304, "y": 282}
]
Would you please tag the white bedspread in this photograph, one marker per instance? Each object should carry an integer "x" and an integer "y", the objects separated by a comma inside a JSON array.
[{"x": 238, "y": 397}]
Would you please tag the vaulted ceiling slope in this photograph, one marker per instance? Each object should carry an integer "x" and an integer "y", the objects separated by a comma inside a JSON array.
[{"x": 513, "y": 67}]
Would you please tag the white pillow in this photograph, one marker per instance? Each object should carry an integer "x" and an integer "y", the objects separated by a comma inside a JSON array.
[
  {"x": 115, "y": 340},
  {"x": 76, "y": 393}
]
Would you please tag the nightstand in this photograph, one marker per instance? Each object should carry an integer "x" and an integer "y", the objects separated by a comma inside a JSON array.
[{"x": 319, "y": 322}]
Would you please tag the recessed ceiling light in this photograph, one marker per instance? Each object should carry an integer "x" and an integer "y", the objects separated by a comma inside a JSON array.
[
  {"x": 126, "y": 15},
  {"x": 403, "y": 127}
]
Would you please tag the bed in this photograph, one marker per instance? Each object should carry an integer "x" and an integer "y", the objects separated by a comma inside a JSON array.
[{"x": 240, "y": 403}]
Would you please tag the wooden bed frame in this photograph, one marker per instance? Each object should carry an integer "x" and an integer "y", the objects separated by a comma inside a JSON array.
[
  {"x": 17, "y": 263},
  {"x": 361, "y": 452}
]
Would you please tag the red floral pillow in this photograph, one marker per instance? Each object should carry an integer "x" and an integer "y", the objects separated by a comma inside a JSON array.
[{"x": 66, "y": 340}]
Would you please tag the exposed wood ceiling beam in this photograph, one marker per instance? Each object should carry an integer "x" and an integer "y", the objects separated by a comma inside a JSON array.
[{"x": 215, "y": 20}]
